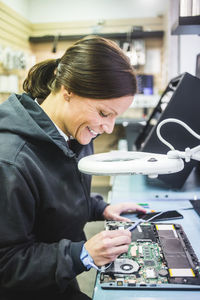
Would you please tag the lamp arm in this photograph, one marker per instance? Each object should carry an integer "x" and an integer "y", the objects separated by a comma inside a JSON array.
[
  {"x": 195, "y": 153},
  {"x": 188, "y": 154}
]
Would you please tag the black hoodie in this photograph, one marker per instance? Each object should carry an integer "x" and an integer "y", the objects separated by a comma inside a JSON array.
[{"x": 44, "y": 200}]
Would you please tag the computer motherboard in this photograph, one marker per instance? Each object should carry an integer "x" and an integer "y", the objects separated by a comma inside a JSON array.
[{"x": 159, "y": 256}]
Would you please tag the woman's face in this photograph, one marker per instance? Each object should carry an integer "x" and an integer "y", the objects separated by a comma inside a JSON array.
[{"x": 85, "y": 118}]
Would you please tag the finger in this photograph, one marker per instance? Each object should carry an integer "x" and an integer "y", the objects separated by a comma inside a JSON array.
[
  {"x": 140, "y": 208},
  {"x": 120, "y": 240},
  {"x": 128, "y": 206},
  {"x": 116, "y": 251},
  {"x": 117, "y": 217},
  {"x": 115, "y": 233},
  {"x": 123, "y": 219}
]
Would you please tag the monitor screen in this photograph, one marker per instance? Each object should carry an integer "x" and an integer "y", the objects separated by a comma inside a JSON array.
[
  {"x": 145, "y": 84},
  {"x": 181, "y": 101},
  {"x": 198, "y": 66}
]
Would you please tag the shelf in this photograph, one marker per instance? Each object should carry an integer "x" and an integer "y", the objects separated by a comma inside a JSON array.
[
  {"x": 118, "y": 36},
  {"x": 145, "y": 101},
  {"x": 187, "y": 25}
]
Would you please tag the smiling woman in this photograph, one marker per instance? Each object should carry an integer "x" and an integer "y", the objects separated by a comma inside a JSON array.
[
  {"x": 84, "y": 118},
  {"x": 45, "y": 200}
]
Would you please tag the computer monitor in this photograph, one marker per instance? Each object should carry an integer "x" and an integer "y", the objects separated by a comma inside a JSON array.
[
  {"x": 198, "y": 66},
  {"x": 180, "y": 100},
  {"x": 156, "y": 113},
  {"x": 145, "y": 84}
]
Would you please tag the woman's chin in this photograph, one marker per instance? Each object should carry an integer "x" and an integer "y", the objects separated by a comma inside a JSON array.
[{"x": 84, "y": 141}]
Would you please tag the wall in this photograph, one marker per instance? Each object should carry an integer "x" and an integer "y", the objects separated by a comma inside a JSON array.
[
  {"x": 189, "y": 48},
  {"x": 19, "y": 6},
  {"x": 14, "y": 29},
  {"x": 79, "y": 10},
  {"x": 14, "y": 34},
  {"x": 62, "y": 10},
  {"x": 182, "y": 48}
]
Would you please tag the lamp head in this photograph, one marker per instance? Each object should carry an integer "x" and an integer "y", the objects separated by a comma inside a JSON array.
[{"x": 129, "y": 163}]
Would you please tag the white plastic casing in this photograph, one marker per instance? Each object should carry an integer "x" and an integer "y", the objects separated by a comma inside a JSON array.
[{"x": 130, "y": 162}]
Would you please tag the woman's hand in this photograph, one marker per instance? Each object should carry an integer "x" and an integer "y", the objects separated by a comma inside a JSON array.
[
  {"x": 112, "y": 212},
  {"x": 106, "y": 246}
]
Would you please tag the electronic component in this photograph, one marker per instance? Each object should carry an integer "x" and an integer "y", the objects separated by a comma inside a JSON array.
[
  {"x": 159, "y": 256},
  {"x": 125, "y": 266}
]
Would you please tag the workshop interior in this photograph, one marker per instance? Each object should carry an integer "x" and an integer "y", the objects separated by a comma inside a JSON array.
[{"x": 152, "y": 157}]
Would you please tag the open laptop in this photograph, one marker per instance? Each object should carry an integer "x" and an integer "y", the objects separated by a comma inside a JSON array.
[{"x": 160, "y": 256}]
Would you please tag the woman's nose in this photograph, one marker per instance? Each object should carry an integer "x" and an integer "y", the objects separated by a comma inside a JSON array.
[{"x": 109, "y": 126}]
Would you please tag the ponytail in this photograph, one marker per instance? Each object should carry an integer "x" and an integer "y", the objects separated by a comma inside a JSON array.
[
  {"x": 40, "y": 77},
  {"x": 94, "y": 67}
]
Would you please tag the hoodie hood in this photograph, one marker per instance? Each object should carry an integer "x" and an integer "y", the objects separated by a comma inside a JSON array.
[{"x": 22, "y": 116}]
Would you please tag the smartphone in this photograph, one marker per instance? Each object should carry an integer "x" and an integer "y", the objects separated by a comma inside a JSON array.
[{"x": 168, "y": 215}]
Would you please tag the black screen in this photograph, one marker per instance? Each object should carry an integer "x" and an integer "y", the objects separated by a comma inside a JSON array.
[
  {"x": 198, "y": 66},
  {"x": 181, "y": 101}
]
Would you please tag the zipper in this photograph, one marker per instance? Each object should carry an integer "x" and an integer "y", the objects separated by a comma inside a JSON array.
[{"x": 82, "y": 180}]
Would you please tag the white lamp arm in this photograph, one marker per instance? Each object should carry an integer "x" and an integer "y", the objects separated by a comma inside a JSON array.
[
  {"x": 188, "y": 154},
  {"x": 196, "y": 153}
]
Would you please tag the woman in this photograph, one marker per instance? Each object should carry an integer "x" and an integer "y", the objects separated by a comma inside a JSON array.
[{"x": 45, "y": 201}]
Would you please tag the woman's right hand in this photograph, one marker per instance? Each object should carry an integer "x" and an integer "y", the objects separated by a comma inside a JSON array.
[{"x": 106, "y": 246}]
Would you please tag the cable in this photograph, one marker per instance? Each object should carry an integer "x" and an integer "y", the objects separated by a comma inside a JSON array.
[{"x": 173, "y": 120}]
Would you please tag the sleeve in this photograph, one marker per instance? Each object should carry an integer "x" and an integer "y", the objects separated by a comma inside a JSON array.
[
  {"x": 25, "y": 263},
  {"x": 97, "y": 207},
  {"x": 97, "y": 203}
]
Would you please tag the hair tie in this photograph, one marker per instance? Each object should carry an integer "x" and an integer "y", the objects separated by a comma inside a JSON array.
[{"x": 58, "y": 61}]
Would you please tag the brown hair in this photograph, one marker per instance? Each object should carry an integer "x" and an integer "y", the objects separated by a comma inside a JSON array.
[{"x": 94, "y": 67}]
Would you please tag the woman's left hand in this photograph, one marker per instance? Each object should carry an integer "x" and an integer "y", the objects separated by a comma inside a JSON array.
[{"x": 112, "y": 212}]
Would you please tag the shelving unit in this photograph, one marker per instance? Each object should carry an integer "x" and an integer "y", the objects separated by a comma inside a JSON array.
[
  {"x": 187, "y": 25},
  {"x": 121, "y": 36}
]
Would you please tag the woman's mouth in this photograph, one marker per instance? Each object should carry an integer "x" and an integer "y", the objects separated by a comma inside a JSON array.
[{"x": 93, "y": 133}]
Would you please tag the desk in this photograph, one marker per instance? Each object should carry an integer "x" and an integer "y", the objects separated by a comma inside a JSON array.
[{"x": 138, "y": 188}]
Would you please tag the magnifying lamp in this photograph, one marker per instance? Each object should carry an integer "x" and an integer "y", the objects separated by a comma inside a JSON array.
[{"x": 132, "y": 162}]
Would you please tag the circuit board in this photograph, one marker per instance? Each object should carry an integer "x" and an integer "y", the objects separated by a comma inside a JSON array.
[{"x": 159, "y": 256}]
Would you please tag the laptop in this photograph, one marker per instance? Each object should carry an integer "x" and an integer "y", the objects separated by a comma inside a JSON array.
[{"x": 160, "y": 256}]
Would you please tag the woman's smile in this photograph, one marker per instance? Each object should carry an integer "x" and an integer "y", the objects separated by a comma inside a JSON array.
[{"x": 93, "y": 133}]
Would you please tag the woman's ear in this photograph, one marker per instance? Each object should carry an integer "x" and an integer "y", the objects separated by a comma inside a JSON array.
[{"x": 66, "y": 94}]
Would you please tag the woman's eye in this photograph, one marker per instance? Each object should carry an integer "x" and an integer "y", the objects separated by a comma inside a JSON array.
[{"x": 103, "y": 114}]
